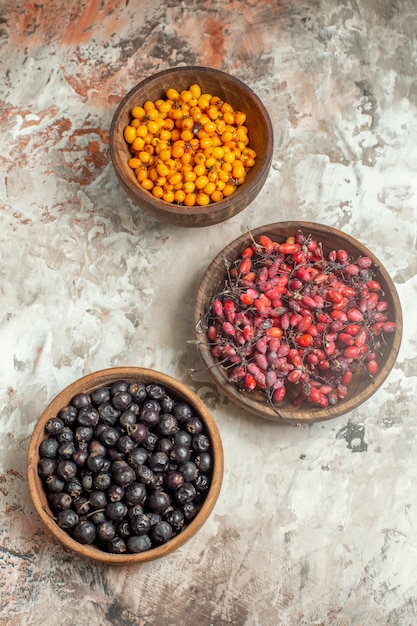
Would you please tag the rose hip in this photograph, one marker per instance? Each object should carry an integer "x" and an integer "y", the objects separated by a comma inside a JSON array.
[{"x": 291, "y": 315}]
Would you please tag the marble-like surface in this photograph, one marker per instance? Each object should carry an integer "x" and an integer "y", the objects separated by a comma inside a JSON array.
[{"x": 315, "y": 525}]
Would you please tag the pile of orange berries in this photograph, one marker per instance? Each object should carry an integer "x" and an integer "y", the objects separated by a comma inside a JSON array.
[{"x": 190, "y": 148}]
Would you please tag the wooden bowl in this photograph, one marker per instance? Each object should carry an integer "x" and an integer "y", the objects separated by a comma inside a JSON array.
[
  {"x": 229, "y": 89},
  {"x": 87, "y": 384},
  {"x": 362, "y": 386}
]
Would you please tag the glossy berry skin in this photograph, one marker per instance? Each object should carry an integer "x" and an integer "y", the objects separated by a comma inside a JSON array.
[
  {"x": 140, "y": 524},
  {"x": 121, "y": 467},
  {"x": 46, "y": 467},
  {"x": 139, "y": 543},
  {"x": 162, "y": 532},
  {"x": 84, "y": 532},
  {"x": 67, "y": 519}
]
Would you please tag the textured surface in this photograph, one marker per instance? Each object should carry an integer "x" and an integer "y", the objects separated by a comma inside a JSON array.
[{"x": 315, "y": 525}]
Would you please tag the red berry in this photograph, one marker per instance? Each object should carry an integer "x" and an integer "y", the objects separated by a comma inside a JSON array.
[
  {"x": 372, "y": 367},
  {"x": 250, "y": 382}
]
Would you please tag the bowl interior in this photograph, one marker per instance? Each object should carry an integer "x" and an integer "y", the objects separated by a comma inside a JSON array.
[
  {"x": 86, "y": 385},
  {"x": 229, "y": 89},
  {"x": 362, "y": 385}
]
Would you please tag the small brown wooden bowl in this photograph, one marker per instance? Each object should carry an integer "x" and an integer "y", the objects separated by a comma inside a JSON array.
[
  {"x": 362, "y": 386},
  {"x": 86, "y": 385},
  {"x": 229, "y": 89}
]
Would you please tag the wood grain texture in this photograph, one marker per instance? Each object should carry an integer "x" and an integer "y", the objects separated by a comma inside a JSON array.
[
  {"x": 229, "y": 89},
  {"x": 86, "y": 385},
  {"x": 362, "y": 386}
]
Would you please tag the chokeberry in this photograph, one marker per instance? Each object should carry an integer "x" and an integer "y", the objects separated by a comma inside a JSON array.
[
  {"x": 88, "y": 416},
  {"x": 99, "y": 396},
  {"x": 108, "y": 413},
  {"x": 61, "y": 501},
  {"x": 46, "y": 467},
  {"x": 66, "y": 469},
  {"x": 117, "y": 545},
  {"x": 150, "y": 417},
  {"x": 159, "y": 501},
  {"x": 162, "y": 532},
  {"x": 125, "y": 467},
  {"x": 122, "y": 400},
  {"x": 95, "y": 462},
  {"x": 49, "y": 448},
  {"x": 135, "y": 493},
  {"x": 81, "y": 400},
  {"x": 106, "y": 530},
  {"x": 84, "y": 532},
  {"x": 116, "y": 510},
  {"x": 140, "y": 524},
  {"x": 180, "y": 454},
  {"x": 185, "y": 493},
  {"x": 102, "y": 481},
  {"x": 182, "y": 411},
  {"x": 119, "y": 386},
  {"x": 67, "y": 519},
  {"x": 123, "y": 476},
  {"x": 98, "y": 499},
  {"x": 137, "y": 457},
  {"x": 115, "y": 493},
  {"x": 68, "y": 415},
  {"x": 54, "y": 426},
  {"x": 139, "y": 543}
]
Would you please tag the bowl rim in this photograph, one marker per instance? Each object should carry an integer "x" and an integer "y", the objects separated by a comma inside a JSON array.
[
  {"x": 173, "y": 209},
  {"x": 93, "y": 381},
  {"x": 289, "y": 415}
]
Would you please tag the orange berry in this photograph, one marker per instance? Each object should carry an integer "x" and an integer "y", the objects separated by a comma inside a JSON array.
[
  {"x": 175, "y": 178},
  {"x": 129, "y": 134},
  {"x": 201, "y": 182},
  {"x": 240, "y": 118},
  {"x": 134, "y": 163},
  {"x": 179, "y": 196},
  {"x": 147, "y": 184},
  {"x": 172, "y": 94},
  {"x": 200, "y": 169},
  {"x": 190, "y": 199},
  {"x": 229, "y": 188},
  {"x": 195, "y": 90},
  {"x": 216, "y": 196},
  {"x": 202, "y": 199},
  {"x": 157, "y": 191},
  {"x": 188, "y": 187}
]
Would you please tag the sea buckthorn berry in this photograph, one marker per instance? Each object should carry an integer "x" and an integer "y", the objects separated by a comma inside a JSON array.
[
  {"x": 130, "y": 134},
  {"x": 147, "y": 184},
  {"x": 135, "y": 163},
  {"x": 203, "y": 199},
  {"x": 216, "y": 196},
  {"x": 148, "y": 105},
  {"x": 189, "y": 128},
  {"x": 138, "y": 112},
  {"x": 157, "y": 191},
  {"x": 190, "y": 199},
  {"x": 229, "y": 188}
]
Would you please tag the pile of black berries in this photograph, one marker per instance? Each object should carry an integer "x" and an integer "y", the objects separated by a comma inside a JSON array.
[{"x": 125, "y": 467}]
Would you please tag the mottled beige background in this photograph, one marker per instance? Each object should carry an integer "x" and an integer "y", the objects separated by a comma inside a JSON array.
[{"x": 315, "y": 526}]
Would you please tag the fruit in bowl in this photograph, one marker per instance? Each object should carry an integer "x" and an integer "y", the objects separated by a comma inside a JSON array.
[
  {"x": 191, "y": 145},
  {"x": 125, "y": 465},
  {"x": 297, "y": 321}
]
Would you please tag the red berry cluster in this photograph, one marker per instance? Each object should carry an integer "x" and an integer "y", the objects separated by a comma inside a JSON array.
[{"x": 290, "y": 315}]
